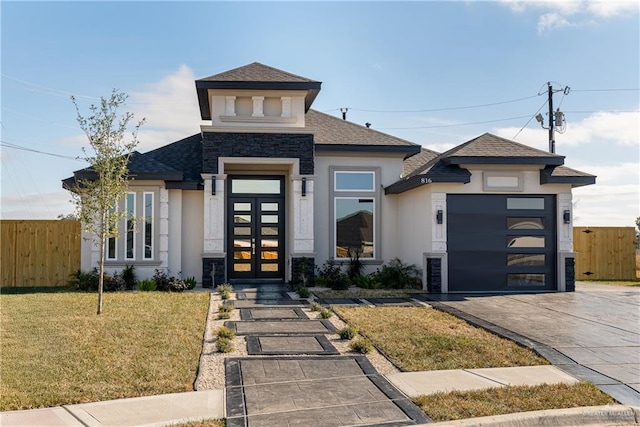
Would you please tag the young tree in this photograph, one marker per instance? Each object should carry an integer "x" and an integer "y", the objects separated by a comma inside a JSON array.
[{"x": 96, "y": 196}]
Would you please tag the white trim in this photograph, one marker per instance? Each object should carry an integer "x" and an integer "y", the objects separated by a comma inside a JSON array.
[{"x": 144, "y": 228}]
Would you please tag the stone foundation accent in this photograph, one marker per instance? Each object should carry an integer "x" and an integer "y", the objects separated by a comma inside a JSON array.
[
  {"x": 297, "y": 266},
  {"x": 434, "y": 275},
  {"x": 213, "y": 272},
  {"x": 570, "y": 274}
]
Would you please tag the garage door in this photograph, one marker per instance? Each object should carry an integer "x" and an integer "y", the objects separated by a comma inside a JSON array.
[{"x": 501, "y": 243}]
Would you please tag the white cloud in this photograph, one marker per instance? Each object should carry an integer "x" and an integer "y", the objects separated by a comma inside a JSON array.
[
  {"x": 36, "y": 205},
  {"x": 606, "y": 205},
  {"x": 600, "y": 127},
  {"x": 558, "y": 14}
]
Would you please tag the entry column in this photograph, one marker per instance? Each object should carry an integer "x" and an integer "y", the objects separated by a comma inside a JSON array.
[
  {"x": 302, "y": 224},
  {"x": 213, "y": 253}
]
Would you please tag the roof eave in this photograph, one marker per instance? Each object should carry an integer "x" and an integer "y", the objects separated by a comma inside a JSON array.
[
  {"x": 574, "y": 181},
  {"x": 419, "y": 180},
  {"x": 495, "y": 160},
  {"x": 409, "y": 150}
]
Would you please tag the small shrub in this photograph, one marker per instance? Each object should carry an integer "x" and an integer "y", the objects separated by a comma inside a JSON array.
[
  {"x": 332, "y": 276},
  {"x": 147, "y": 285},
  {"x": 224, "y": 332},
  {"x": 225, "y": 290},
  {"x": 326, "y": 313},
  {"x": 367, "y": 282},
  {"x": 225, "y": 308},
  {"x": 190, "y": 282},
  {"x": 224, "y": 315},
  {"x": 347, "y": 333},
  {"x": 113, "y": 283},
  {"x": 316, "y": 307},
  {"x": 304, "y": 292},
  {"x": 129, "y": 277},
  {"x": 360, "y": 345},
  {"x": 85, "y": 281},
  {"x": 166, "y": 283},
  {"x": 398, "y": 275},
  {"x": 224, "y": 345}
]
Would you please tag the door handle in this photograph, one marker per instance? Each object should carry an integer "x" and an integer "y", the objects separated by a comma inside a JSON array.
[{"x": 253, "y": 246}]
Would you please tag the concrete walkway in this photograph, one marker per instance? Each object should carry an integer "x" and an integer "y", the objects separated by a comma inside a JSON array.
[
  {"x": 329, "y": 390},
  {"x": 593, "y": 333}
]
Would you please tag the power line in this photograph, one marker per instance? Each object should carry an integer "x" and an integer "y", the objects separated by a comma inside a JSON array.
[
  {"x": 605, "y": 90},
  {"x": 530, "y": 118},
  {"x": 20, "y": 147},
  {"x": 458, "y": 124}
]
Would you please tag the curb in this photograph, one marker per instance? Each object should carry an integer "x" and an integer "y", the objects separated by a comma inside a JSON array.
[{"x": 608, "y": 415}]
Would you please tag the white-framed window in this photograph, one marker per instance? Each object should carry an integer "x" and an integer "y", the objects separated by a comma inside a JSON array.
[
  {"x": 147, "y": 230},
  {"x": 130, "y": 233},
  {"x": 112, "y": 242},
  {"x": 355, "y": 201}
]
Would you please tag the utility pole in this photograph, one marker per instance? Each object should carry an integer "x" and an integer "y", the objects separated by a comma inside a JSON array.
[{"x": 556, "y": 119}]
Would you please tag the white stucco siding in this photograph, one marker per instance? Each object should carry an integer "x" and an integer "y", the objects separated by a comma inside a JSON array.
[
  {"x": 192, "y": 233},
  {"x": 389, "y": 168},
  {"x": 175, "y": 230},
  {"x": 414, "y": 232}
]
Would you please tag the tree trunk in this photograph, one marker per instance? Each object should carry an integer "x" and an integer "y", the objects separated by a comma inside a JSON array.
[{"x": 103, "y": 244}]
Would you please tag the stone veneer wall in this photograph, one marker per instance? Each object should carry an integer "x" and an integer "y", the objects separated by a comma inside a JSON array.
[
  {"x": 570, "y": 274},
  {"x": 213, "y": 272},
  {"x": 269, "y": 145},
  {"x": 434, "y": 275},
  {"x": 297, "y": 264}
]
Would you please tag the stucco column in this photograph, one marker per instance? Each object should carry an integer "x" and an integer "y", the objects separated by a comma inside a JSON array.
[
  {"x": 214, "y": 214},
  {"x": 164, "y": 228},
  {"x": 303, "y": 244}
]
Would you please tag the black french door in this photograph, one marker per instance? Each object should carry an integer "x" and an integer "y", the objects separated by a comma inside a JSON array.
[{"x": 255, "y": 227}]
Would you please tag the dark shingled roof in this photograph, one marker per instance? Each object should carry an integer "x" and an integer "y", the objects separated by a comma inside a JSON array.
[
  {"x": 332, "y": 133},
  {"x": 418, "y": 162},
  {"x": 258, "y": 77},
  {"x": 486, "y": 149}
]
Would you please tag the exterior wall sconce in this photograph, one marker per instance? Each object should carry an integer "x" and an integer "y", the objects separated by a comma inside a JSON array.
[
  {"x": 439, "y": 216},
  {"x": 213, "y": 186},
  {"x": 566, "y": 217},
  {"x": 304, "y": 187}
]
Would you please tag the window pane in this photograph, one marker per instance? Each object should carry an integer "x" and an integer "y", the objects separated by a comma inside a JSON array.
[
  {"x": 269, "y": 231},
  {"x": 269, "y": 219},
  {"x": 525, "y": 203},
  {"x": 241, "y": 243},
  {"x": 242, "y": 206},
  {"x": 269, "y": 243},
  {"x": 525, "y": 242},
  {"x": 525, "y": 259},
  {"x": 354, "y": 181},
  {"x": 242, "y": 219},
  {"x": 242, "y": 255},
  {"x": 273, "y": 255},
  {"x": 525, "y": 223},
  {"x": 269, "y": 206},
  {"x": 242, "y": 267},
  {"x": 148, "y": 225},
  {"x": 255, "y": 186},
  {"x": 525, "y": 279},
  {"x": 354, "y": 227},
  {"x": 242, "y": 231},
  {"x": 131, "y": 214},
  {"x": 111, "y": 248},
  {"x": 269, "y": 267}
]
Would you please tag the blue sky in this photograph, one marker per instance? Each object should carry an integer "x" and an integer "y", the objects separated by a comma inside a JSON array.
[{"x": 405, "y": 67}]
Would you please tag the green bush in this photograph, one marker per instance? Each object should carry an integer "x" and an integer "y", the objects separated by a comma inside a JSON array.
[
  {"x": 224, "y": 345},
  {"x": 225, "y": 308},
  {"x": 85, "y": 281},
  {"x": 147, "y": 285},
  {"x": 361, "y": 345},
  {"x": 304, "y": 292},
  {"x": 129, "y": 277},
  {"x": 332, "y": 276},
  {"x": 166, "y": 283},
  {"x": 367, "y": 282},
  {"x": 325, "y": 313},
  {"x": 398, "y": 275},
  {"x": 113, "y": 283},
  {"x": 190, "y": 282},
  {"x": 224, "y": 332},
  {"x": 225, "y": 290},
  {"x": 316, "y": 307},
  {"x": 347, "y": 333}
]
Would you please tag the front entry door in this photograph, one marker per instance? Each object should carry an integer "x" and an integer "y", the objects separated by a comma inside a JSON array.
[{"x": 256, "y": 231}]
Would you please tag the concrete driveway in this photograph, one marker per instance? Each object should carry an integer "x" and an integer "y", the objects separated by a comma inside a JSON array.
[{"x": 593, "y": 333}]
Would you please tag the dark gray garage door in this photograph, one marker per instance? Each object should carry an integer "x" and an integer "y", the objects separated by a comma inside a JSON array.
[{"x": 501, "y": 243}]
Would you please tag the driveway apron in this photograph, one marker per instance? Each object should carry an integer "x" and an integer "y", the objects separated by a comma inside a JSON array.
[
  {"x": 297, "y": 377},
  {"x": 593, "y": 333}
]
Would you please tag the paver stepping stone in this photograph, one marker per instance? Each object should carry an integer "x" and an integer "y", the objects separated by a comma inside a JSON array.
[
  {"x": 290, "y": 345},
  {"x": 248, "y": 303},
  {"x": 289, "y": 327},
  {"x": 251, "y": 295},
  {"x": 272, "y": 313},
  {"x": 311, "y": 391}
]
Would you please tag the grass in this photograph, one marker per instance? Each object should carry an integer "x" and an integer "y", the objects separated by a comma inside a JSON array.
[
  {"x": 367, "y": 293},
  {"x": 508, "y": 400},
  {"x": 56, "y": 350},
  {"x": 421, "y": 339}
]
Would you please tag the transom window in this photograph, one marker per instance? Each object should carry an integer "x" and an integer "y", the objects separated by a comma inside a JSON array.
[{"x": 354, "y": 181}]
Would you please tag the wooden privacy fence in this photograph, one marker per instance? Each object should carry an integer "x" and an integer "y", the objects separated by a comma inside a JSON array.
[
  {"x": 38, "y": 252},
  {"x": 605, "y": 253}
]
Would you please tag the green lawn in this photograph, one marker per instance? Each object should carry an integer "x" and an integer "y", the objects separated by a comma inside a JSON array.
[
  {"x": 421, "y": 339},
  {"x": 417, "y": 339},
  {"x": 56, "y": 350}
]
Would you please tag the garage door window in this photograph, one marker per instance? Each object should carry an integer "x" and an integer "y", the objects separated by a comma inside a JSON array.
[
  {"x": 525, "y": 223},
  {"x": 525, "y": 242},
  {"x": 526, "y": 279},
  {"x": 529, "y": 203},
  {"x": 525, "y": 259}
]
